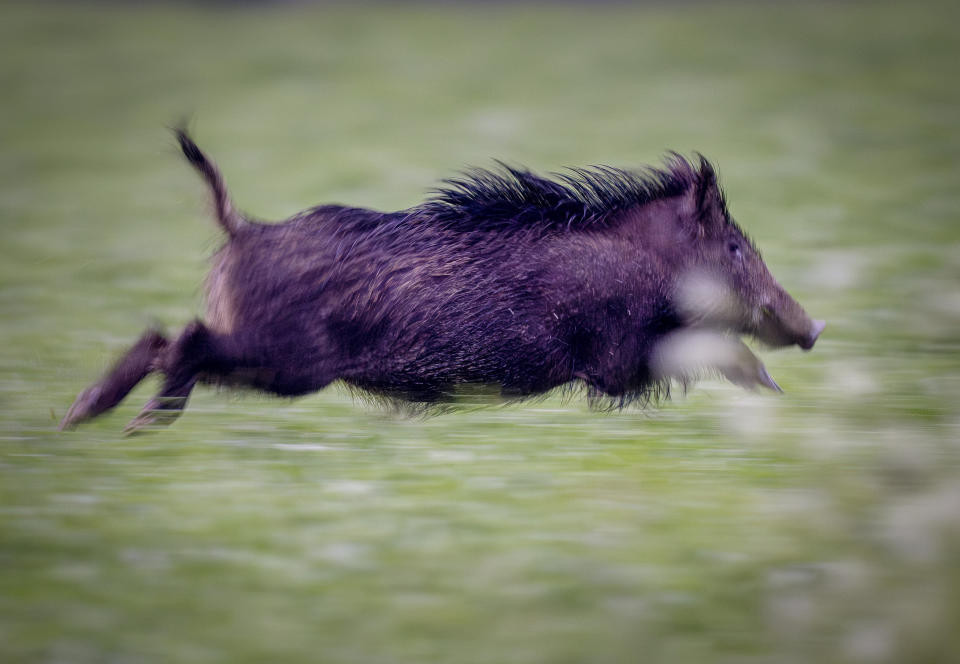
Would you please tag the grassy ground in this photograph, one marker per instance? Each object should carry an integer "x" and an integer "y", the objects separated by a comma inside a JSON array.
[{"x": 823, "y": 525}]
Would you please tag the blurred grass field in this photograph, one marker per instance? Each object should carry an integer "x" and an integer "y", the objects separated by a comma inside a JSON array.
[{"x": 822, "y": 525}]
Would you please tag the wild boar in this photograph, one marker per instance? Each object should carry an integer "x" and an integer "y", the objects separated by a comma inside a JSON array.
[{"x": 621, "y": 280}]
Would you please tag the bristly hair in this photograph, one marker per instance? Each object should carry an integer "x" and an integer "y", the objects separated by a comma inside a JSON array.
[
  {"x": 512, "y": 198},
  {"x": 464, "y": 398}
]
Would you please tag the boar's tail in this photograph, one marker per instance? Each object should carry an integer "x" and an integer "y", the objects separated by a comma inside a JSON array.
[{"x": 229, "y": 218}]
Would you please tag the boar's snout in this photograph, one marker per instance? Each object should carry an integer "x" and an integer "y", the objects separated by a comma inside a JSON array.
[
  {"x": 815, "y": 329},
  {"x": 784, "y": 323}
]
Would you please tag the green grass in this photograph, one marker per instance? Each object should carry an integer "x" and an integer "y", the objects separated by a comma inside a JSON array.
[{"x": 823, "y": 525}]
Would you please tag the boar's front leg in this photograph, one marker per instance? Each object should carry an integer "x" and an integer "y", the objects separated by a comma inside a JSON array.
[
  {"x": 110, "y": 390},
  {"x": 686, "y": 353},
  {"x": 197, "y": 350}
]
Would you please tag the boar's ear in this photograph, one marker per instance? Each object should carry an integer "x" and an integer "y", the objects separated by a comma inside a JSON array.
[{"x": 711, "y": 210}]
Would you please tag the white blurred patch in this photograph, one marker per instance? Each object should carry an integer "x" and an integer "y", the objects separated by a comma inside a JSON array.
[
  {"x": 350, "y": 487},
  {"x": 343, "y": 553},
  {"x": 872, "y": 642},
  {"x": 76, "y": 498},
  {"x": 702, "y": 297},
  {"x": 751, "y": 417},
  {"x": 146, "y": 560},
  {"x": 844, "y": 576},
  {"x": 795, "y": 503},
  {"x": 851, "y": 380},
  {"x": 484, "y": 482},
  {"x": 692, "y": 352},
  {"x": 791, "y": 612},
  {"x": 908, "y": 455},
  {"x": 947, "y": 303},
  {"x": 77, "y": 572},
  {"x": 824, "y": 435},
  {"x": 689, "y": 351},
  {"x": 451, "y": 456},
  {"x": 837, "y": 270},
  {"x": 916, "y": 527},
  {"x": 302, "y": 447}
]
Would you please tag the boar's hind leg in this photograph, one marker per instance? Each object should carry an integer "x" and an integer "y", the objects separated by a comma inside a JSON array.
[
  {"x": 110, "y": 390},
  {"x": 197, "y": 350}
]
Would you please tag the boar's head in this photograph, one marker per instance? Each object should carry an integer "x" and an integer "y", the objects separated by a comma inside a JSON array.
[{"x": 724, "y": 283}]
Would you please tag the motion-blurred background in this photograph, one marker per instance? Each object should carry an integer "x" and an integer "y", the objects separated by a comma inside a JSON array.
[{"x": 822, "y": 525}]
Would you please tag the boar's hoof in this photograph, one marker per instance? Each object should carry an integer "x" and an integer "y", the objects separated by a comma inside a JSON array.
[
  {"x": 84, "y": 407},
  {"x": 156, "y": 413}
]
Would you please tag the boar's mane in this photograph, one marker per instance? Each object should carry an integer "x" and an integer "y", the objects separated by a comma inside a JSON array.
[{"x": 514, "y": 198}]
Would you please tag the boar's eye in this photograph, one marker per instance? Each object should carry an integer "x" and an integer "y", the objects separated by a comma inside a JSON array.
[{"x": 735, "y": 250}]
